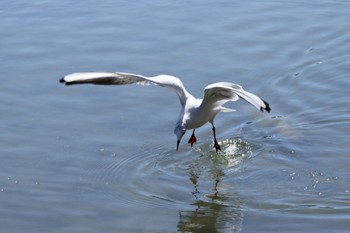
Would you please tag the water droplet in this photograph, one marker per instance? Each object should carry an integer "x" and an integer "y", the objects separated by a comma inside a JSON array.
[
  {"x": 296, "y": 74},
  {"x": 316, "y": 173},
  {"x": 310, "y": 50}
]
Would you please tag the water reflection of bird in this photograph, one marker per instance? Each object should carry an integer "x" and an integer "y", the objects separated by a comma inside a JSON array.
[
  {"x": 213, "y": 217},
  {"x": 194, "y": 112}
]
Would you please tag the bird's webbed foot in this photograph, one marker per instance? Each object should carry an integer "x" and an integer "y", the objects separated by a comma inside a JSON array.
[
  {"x": 193, "y": 139},
  {"x": 217, "y": 146}
]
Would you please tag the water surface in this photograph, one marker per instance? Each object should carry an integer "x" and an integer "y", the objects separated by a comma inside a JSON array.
[{"x": 103, "y": 159}]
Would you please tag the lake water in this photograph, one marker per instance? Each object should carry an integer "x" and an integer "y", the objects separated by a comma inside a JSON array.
[{"x": 103, "y": 159}]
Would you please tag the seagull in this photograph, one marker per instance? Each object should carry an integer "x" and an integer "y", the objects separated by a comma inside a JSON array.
[{"x": 194, "y": 112}]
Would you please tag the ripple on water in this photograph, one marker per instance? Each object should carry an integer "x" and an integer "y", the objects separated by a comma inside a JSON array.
[
  {"x": 135, "y": 179},
  {"x": 163, "y": 176}
]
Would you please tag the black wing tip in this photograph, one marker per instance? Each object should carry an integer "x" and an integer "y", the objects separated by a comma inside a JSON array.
[
  {"x": 62, "y": 80},
  {"x": 267, "y": 107}
]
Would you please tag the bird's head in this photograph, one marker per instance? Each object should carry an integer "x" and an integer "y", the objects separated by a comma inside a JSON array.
[{"x": 179, "y": 131}]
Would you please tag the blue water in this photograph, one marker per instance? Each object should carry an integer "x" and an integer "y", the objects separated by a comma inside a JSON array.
[{"x": 102, "y": 159}]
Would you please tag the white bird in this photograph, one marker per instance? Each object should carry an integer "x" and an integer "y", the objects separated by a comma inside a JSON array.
[{"x": 194, "y": 112}]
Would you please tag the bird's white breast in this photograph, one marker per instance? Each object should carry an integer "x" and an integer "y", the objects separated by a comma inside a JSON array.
[{"x": 194, "y": 116}]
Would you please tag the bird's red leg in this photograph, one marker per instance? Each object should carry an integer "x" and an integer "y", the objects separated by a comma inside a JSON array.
[
  {"x": 193, "y": 139},
  {"x": 216, "y": 144}
]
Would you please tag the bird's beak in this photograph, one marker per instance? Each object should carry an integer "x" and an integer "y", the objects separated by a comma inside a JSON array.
[{"x": 177, "y": 145}]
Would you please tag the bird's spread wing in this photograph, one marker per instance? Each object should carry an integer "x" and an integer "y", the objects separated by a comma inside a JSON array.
[
  {"x": 119, "y": 78},
  {"x": 217, "y": 94},
  {"x": 104, "y": 78}
]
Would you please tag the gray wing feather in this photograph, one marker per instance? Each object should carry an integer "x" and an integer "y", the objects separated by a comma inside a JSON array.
[
  {"x": 104, "y": 78},
  {"x": 119, "y": 78},
  {"x": 217, "y": 94}
]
